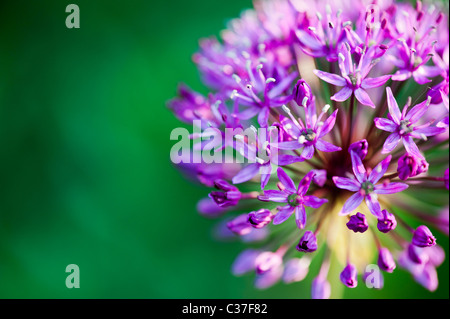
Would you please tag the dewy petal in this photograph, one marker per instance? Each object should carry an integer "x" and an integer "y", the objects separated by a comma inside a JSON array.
[
  {"x": 328, "y": 124},
  {"x": 385, "y": 124},
  {"x": 393, "y": 106},
  {"x": 283, "y": 214},
  {"x": 374, "y": 205},
  {"x": 330, "y": 78},
  {"x": 308, "y": 152},
  {"x": 325, "y": 146},
  {"x": 286, "y": 181},
  {"x": 342, "y": 95},
  {"x": 390, "y": 188},
  {"x": 391, "y": 142},
  {"x": 274, "y": 196},
  {"x": 417, "y": 112},
  {"x": 364, "y": 98},
  {"x": 246, "y": 173},
  {"x": 313, "y": 201},
  {"x": 300, "y": 216},
  {"x": 354, "y": 201},
  {"x": 370, "y": 83},
  {"x": 379, "y": 170},
  {"x": 358, "y": 168},
  {"x": 347, "y": 183}
]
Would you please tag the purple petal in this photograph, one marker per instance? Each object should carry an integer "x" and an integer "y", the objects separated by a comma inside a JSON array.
[
  {"x": 304, "y": 184},
  {"x": 390, "y": 188},
  {"x": 283, "y": 214},
  {"x": 385, "y": 124},
  {"x": 330, "y": 78},
  {"x": 313, "y": 201},
  {"x": 358, "y": 168},
  {"x": 370, "y": 83},
  {"x": 391, "y": 143},
  {"x": 328, "y": 124},
  {"x": 286, "y": 159},
  {"x": 429, "y": 131},
  {"x": 308, "y": 152},
  {"x": 274, "y": 196},
  {"x": 410, "y": 146},
  {"x": 420, "y": 78},
  {"x": 401, "y": 75},
  {"x": 417, "y": 112},
  {"x": 374, "y": 205},
  {"x": 354, "y": 201},
  {"x": 363, "y": 97},
  {"x": 300, "y": 216},
  {"x": 265, "y": 171},
  {"x": 379, "y": 170},
  {"x": 286, "y": 181},
  {"x": 347, "y": 183},
  {"x": 393, "y": 106},
  {"x": 342, "y": 95},
  {"x": 289, "y": 146},
  {"x": 325, "y": 146},
  {"x": 246, "y": 173},
  {"x": 263, "y": 116}
]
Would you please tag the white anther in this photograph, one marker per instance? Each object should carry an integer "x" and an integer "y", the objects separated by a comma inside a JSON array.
[
  {"x": 312, "y": 29},
  {"x": 341, "y": 56},
  {"x": 249, "y": 86},
  {"x": 301, "y": 139},
  {"x": 319, "y": 15},
  {"x": 233, "y": 94},
  {"x": 270, "y": 80},
  {"x": 379, "y": 169},
  {"x": 239, "y": 137},
  {"x": 261, "y": 47},
  {"x": 236, "y": 78},
  {"x": 259, "y": 160},
  {"x": 326, "y": 108},
  {"x": 245, "y": 54},
  {"x": 259, "y": 67},
  {"x": 304, "y": 101},
  {"x": 288, "y": 126},
  {"x": 319, "y": 124},
  {"x": 346, "y": 23},
  {"x": 423, "y": 136},
  {"x": 285, "y": 108}
]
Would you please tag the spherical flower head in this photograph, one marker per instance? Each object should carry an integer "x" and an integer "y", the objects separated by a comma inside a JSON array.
[
  {"x": 422, "y": 237},
  {"x": 385, "y": 260},
  {"x": 260, "y": 218},
  {"x": 349, "y": 276},
  {"x": 387, "y": 222},
  {"x": 308, "y": 242},
  {"x": 358, "y": 223}
]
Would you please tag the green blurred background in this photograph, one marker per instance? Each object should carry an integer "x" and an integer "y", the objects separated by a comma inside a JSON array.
[{"x": 85, "y": 173}]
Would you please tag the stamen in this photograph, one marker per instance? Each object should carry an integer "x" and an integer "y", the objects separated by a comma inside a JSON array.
[
  {"x": 305, "y": 100},
  {"x": 302, "y": 139},
  {"x": 270, "y": 80},
  {"x": 236, "y": 78},
  {"x": 326, "y": 108}
]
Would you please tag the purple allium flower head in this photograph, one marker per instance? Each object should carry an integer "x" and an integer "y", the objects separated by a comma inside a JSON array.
[
  {"x": 400, "y": 125},
  {"x": 229, "y": 196},
  {"x": 260, "y": 218},
  {"x": 354, "y": 78},
  {"x": 272, "y": 72},
  {"x": 422, "y": 237},
  {"x": 365, "y": 185},
  {"x": 296, "y": 199},
  {"x": 358, "y": 223},
  {"x": 349, "y": 276},
  {"x": 308, "y": 242},
  {"x": 385, "y": 260}
]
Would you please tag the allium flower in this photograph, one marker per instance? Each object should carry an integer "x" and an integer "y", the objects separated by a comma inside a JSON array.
[{"x": 265, "y": 75}]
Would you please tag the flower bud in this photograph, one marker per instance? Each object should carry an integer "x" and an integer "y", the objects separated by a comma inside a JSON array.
[
  {"x": 385, "y": 260},
  {"x": 320, "y": 177},
  {"x": 266, "y": 261},
  {"x": 240, "y": 225},
  {"x": 245, "y": 262},
  {"x": 358, "y": 223},
  {"x": 296, "y": 269},
  {"x": 417, "y": 254},
  {"x": 260, "y": 218},
  {"x": 423, "y": 237},
  {"x": 361, "y": 148},
  {"x": 308, "y": 242},
  {"x": 320, "y": 288},
  {"x": 387, "y": 223},
  {"x": 410, "y": 165},
  {"x": 302, "y": 91},
  {"x": 349, "y": 276},
  {"x": 229, "y": 196}
]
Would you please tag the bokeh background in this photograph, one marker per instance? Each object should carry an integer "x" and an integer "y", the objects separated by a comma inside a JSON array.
[{"x": 85, "y": 175}]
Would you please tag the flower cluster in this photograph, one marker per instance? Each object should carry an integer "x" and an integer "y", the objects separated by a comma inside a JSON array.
[{"x": 320, "y": 85}]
